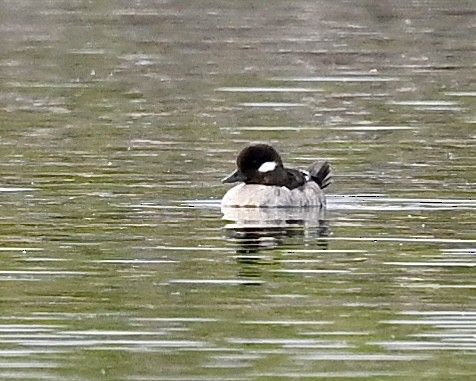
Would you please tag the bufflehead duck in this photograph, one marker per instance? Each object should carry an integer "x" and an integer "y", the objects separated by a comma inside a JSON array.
[{"x": 265, "y": 182}]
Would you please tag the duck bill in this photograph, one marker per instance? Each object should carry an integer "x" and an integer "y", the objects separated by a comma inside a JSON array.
[{"x": 234, "y": 177}]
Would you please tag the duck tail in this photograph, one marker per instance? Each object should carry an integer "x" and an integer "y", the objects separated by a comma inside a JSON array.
[{"x": 320, "y": 172}]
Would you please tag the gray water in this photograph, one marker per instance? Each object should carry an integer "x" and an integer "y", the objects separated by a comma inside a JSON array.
[{"x": 118, "y": 120}]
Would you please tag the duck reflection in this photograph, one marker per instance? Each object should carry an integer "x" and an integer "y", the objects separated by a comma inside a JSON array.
[{"x": 256, "y": 229}]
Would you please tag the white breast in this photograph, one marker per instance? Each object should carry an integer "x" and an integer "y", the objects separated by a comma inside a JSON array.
[{"x": 255, "y": 195}]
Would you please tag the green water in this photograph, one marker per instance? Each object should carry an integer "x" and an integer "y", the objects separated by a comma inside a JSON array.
[{"x": 118, "y": 121}]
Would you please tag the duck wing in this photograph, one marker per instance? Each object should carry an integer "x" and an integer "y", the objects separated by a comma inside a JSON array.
[{"x": 295, "y": 178}]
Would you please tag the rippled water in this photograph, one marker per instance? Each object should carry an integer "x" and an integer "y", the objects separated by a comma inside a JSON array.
[{"x": 118, "y": 122}]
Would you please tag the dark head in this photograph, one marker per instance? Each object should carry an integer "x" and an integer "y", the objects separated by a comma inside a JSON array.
[{"x": 253, "y": 163}]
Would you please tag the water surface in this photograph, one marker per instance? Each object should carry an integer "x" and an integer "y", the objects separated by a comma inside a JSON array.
[{"x": 118, "y": 122}]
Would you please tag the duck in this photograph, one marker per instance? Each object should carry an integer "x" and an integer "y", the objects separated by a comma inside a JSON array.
[{"x": 264, "y": 182}]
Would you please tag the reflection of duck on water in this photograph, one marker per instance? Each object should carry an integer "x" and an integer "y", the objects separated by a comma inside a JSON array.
[{"x": 254, "y": 229}]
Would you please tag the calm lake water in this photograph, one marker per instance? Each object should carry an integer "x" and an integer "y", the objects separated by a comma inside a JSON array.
[{"x": 118, "y": 120}]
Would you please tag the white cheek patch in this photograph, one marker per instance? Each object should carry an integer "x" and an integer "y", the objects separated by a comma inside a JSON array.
[{"x": 267, "y": 167}]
